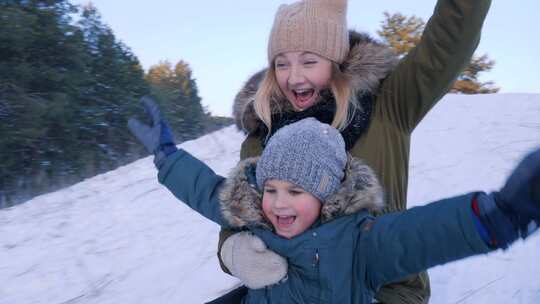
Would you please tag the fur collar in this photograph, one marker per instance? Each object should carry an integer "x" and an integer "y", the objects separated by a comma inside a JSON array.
[
  {"x": 367, "y": 64},
  {"x": 241, "y": 203}
]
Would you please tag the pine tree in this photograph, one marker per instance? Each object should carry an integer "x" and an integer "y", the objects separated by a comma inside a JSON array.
[
  {"x": 39, "y": 60},
  {"x": 468, "y": 82},
  {"x": 111, "y": 94},
  {"x": 66, "y": 91},
  {"x": 176, "y": 91},
  {"x": 402, "y": 33}
]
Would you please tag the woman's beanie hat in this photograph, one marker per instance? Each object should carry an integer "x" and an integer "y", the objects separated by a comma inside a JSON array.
[
  {"x": 307, "y": 153},
  {"x": 317, "y": 26}
]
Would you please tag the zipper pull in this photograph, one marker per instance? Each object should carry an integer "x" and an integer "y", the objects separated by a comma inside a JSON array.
[{"x": 316, "y": 258}]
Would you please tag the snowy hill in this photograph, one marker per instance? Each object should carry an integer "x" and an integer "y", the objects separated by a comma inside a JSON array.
[{"x": 120, "y": 237}]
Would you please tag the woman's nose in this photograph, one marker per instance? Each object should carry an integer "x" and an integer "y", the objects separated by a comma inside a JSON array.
[{"x": 296, "y": 76}]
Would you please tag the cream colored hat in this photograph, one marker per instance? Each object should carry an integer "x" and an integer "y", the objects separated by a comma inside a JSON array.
[{"x": 317, "y": 26}]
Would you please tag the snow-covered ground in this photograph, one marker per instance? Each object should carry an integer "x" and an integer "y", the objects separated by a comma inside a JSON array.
[{"x": 120, "y": 237}]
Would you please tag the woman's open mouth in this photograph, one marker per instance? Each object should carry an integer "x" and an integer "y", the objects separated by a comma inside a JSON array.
[{"x": 303, "y": 98}]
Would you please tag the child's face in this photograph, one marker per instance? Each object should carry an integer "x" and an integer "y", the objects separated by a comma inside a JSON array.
[
  {"x": 290, "y": 209},
  {"x": 301, "y": 76}
]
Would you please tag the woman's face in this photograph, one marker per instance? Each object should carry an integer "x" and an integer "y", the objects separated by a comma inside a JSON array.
[
  {"x": 301, "y": 76},
  {"x": 289, "y": 208}
]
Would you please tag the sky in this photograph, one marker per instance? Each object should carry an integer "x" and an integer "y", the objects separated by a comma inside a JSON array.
[
  {"x": 225, "y": 41},
  {"x": 121, "y": 237}
]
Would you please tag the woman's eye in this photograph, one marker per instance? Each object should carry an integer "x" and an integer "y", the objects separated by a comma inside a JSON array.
[
  {"x": 269, "y": 190},
  {"x": 280, "y": 65},
  {"x": 295, "y": 192},
  {"x": 310, "y": 62}
]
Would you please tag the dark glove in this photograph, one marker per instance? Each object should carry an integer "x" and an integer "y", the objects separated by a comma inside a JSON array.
[
  {"x": 157, "y": 138},
  {"x": 514, "y": 211}
]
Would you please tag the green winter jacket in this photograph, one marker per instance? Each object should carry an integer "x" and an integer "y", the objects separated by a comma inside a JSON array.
[
  {"x": 404, "y": 91},
  {"x": 347, "y": 255}
]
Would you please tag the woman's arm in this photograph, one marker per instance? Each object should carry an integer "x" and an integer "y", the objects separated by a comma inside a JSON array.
[{"x": 429, "y": 70}]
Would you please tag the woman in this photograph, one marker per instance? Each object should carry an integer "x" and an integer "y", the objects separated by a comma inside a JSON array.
[{"x": 319, "y": 69}]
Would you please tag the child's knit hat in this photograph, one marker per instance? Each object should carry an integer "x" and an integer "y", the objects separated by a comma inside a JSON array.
[
  {"x": 307, "y": 153},
  {"x": 317, "y": 26}
]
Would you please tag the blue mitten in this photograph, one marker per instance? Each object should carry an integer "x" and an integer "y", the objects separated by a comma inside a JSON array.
[
  {"x": 514, "y": 211},
  {"x": 157, "y": 138}
]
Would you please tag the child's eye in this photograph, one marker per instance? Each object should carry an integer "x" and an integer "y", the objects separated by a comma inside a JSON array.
[
  {"x": 269, "y": 190},
  {"x": 295, "y": 192}
]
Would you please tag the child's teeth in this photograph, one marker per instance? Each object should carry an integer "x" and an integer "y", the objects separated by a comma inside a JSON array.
[{"x": 286, "y": 220}]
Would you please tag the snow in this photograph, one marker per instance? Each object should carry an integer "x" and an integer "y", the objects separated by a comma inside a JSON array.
[{"x": 120, "y": 237}]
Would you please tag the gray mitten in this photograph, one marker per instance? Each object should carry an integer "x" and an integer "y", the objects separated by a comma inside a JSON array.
[{"x": 248, "y": 259}]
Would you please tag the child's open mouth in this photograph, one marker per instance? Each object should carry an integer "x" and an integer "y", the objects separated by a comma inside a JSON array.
[
  {"x": 303, "y": 97},
  {"x": 285, "y": 222}
]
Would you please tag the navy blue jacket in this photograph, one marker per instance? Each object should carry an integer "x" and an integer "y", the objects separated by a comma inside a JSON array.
[{"x": 348, "y": 254}]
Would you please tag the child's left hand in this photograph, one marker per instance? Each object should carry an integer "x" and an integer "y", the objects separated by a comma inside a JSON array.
[
  {"x": 519, "y": 199},
  {"x": 514, "y": 211}
]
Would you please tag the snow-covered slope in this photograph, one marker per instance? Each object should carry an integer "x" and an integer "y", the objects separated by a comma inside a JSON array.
[{"x": 120, "y": 237}]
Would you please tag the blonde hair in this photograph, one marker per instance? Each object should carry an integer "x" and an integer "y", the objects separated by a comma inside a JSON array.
[{"x": 269, "y": 96}]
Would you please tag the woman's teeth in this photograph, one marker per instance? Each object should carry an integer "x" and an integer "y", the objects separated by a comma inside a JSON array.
[{"x": 303, "y": 95}]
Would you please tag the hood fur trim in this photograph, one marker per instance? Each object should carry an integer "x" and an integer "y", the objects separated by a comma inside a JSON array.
[
  {"x": 241, "y": 203},
  {"x": 367, "y": 64}
]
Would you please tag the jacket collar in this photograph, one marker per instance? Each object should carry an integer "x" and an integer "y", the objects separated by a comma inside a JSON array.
[{"x": 241, "y": 201}]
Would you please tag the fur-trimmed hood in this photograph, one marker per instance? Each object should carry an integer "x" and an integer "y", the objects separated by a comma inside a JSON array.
[
  {"x": 241, "y": 202},
  {"x": 367, "y": 63}
]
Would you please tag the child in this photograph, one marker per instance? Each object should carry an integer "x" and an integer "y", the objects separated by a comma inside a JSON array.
[{"x": 309, "y": 202}]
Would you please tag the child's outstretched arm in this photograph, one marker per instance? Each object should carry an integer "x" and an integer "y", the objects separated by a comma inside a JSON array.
[
  {"x": 189, "y": 179},
  {"x": 399, "y": 244},
  {"x": 194, "y": 183}
]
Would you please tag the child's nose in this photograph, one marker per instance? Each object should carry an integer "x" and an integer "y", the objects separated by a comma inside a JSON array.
[{"x": 280, "y": 203}]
